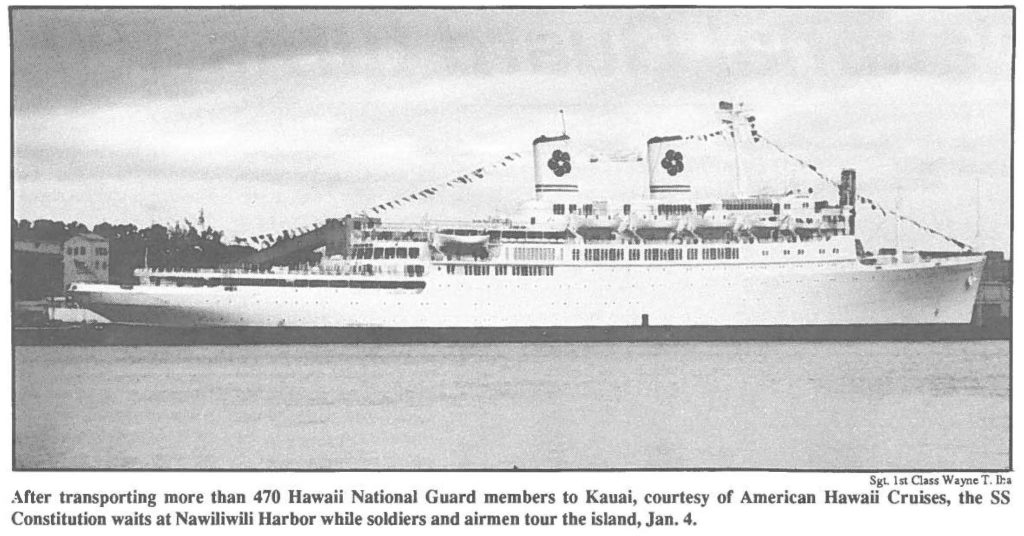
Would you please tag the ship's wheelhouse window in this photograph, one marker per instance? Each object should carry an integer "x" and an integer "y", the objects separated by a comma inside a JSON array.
[
  {"x": 389, "y": 253},
  {"x": 558, "y": 209},
  {"x": 572, "y": 209},
  {"x": 533, "y": 221},
  {"x": 402, "y": 253},
  {"x": 378, "y": 253},
  {"x": 414, "y": 253},
  {"x": 626, "y": 209},
  {"x": 673, "y": 210}
]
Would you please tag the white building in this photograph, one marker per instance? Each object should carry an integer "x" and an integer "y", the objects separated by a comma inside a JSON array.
[{"x": 86, "y": 259}]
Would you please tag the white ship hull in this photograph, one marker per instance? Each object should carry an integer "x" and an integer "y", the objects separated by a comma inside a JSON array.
[{"x": 578, "y": 295}]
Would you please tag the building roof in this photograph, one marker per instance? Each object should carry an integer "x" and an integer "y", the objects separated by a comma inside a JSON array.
[{"x": 91, "y": 237}]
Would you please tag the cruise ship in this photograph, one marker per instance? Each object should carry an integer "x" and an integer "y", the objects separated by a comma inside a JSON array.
[{"x": 671, "y": 264}]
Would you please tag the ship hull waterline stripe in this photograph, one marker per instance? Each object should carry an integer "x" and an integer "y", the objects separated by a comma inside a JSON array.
[{"x": 115, "y": 334}]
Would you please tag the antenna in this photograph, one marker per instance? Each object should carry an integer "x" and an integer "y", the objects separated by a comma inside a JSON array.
[
  {"x": 899, "y": 207},
  {"x": 977, "y": 209},
  {"x": 562, "y": 113}
]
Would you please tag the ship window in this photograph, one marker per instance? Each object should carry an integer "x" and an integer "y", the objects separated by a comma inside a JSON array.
[
  {"x": 572, "y": 209},
  {"x": 558, "y": 209},
  {"x": 533, "y": 221},
  {"x": 626, "y": 209},
  {"x": 588, "y": 210},
  {"x": 799, "y": 252},
  {"x": 339, "y": 284},
  {"x": 414, "y": 253},
  {"x": 402, "y": 253},
  {"x": 634, "y": 254},
  {"x": 319, "y": 283},
  {"x": 575, "y": 254},
  {"x": 389, "y": 253},
  {"x": 451, "y": 269},
  {"x": 378, "y": 253},
  {"x": 691, "y": 254},
  {"x": 786, "y": 206}
]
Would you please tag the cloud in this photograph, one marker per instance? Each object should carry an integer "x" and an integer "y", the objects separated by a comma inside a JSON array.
[{"x": 249, "y": 107}]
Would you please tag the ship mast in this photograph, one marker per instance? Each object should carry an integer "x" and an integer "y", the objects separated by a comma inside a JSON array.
[{"x": 732, "y": 113}]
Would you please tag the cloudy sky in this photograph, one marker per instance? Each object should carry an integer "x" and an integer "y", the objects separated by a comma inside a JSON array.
[{"x": 268, "y": 120}]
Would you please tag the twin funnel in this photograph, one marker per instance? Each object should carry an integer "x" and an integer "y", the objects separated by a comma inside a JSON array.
[{"x": 556, "y": 173}]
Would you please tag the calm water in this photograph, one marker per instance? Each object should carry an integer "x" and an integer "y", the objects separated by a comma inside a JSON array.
[{"x": 682, "y": 405}]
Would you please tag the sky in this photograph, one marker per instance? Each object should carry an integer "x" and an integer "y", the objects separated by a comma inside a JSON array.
[{"x": 274, "y": 119}]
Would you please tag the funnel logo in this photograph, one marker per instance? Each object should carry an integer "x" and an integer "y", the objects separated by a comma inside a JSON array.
[
  {"x": 673, "y": 162},
  {"x": 559, "y": 163}
]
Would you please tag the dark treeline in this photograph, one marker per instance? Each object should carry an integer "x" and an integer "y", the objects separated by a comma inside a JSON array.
[{"x": 187, "y": 246}]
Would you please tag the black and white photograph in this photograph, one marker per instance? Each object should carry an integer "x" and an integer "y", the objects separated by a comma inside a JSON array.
[{"x": 524, "y": 239}]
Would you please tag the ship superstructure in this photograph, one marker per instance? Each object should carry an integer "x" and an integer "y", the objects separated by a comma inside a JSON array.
[{"x": 672, "y": 257}]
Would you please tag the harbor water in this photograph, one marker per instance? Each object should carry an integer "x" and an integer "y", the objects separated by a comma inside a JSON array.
[{"x": 793, "y": 405}]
